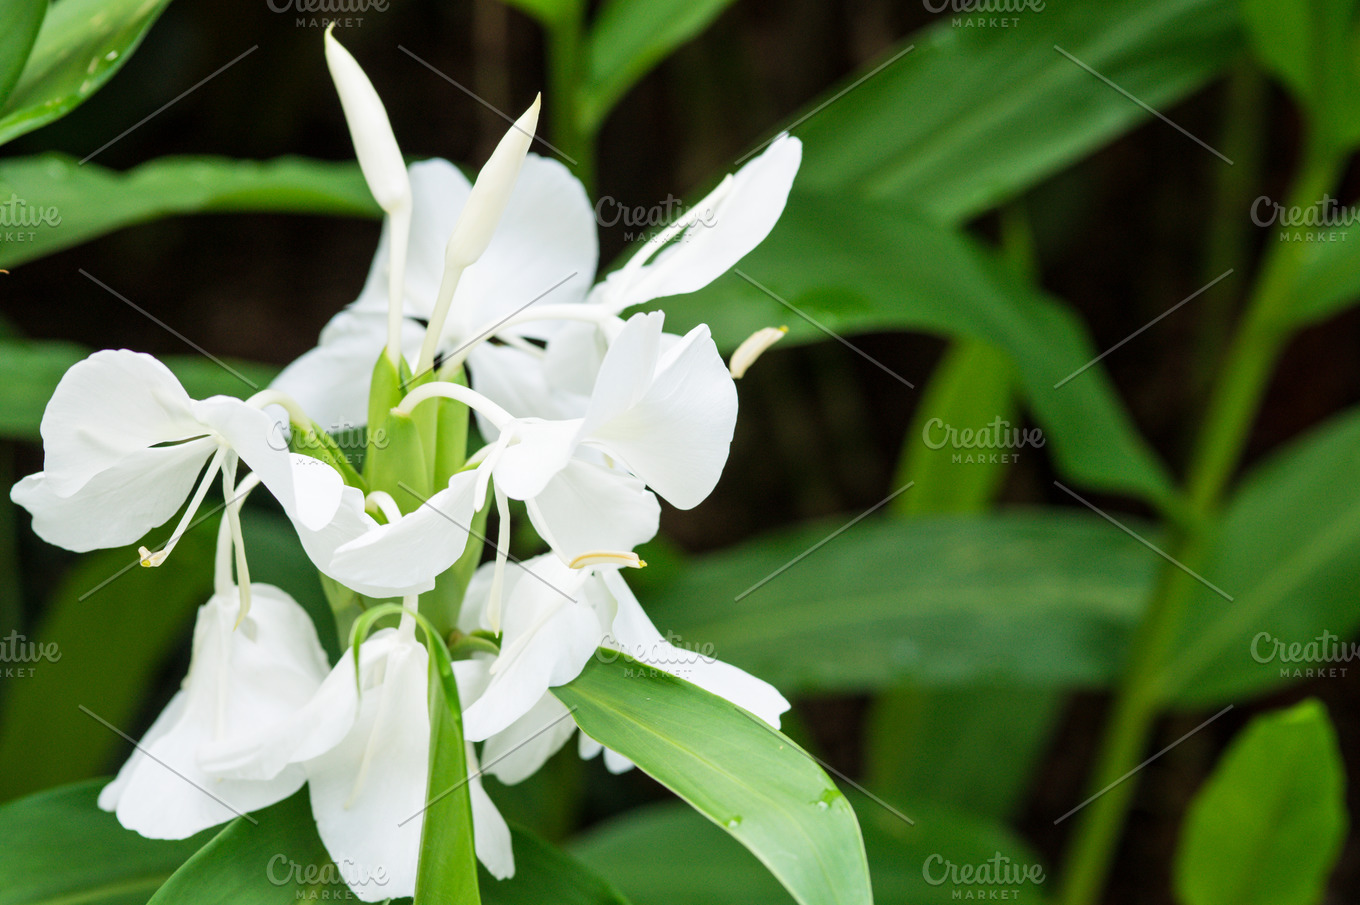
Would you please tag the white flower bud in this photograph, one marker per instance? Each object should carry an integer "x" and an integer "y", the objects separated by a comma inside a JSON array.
[
  {"x": 374, "y": 144},
  {"x": 491, "y": 192}
]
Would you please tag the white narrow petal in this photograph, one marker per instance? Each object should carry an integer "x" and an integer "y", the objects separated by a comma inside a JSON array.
[
  {"x": 615, "y": 762},
  {"x": 365, "y": 788},
  {"x": 120, "y": 504},
  {"x": 637, "y": 636},
  {"x": 518, "y": 751},
  {"x": 491, "y": 191},
  {"x": 374, "y": 144},
  {"x": 490, "y": 833},
  {"x": 727, "y": 229},
  {"x": 106, "y": 407},
  {"x": 331, "y": 381},
  {"x": 350, "y": 523},
  {"x": 627, "y": 370},
  {"x": 676, "y": 437},
  {"x": 546, "y": 235},
  {"x": 415, "y": 548},
  {"x": 586, "y": 747},
  {"x": 589, "y": 507}
]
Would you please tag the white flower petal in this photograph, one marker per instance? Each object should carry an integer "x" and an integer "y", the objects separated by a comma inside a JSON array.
[
  {"x": 490, "y": 833},
  {"x": 518, "y": 751},
  {"x": 589, "y": 507},
  {"x": 540, "y": 450},
  {"x": 107, "y": 407}
]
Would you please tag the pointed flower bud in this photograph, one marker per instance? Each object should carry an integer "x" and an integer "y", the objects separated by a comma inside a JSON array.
[
  {"x": 491, "y": 192},
  {"x": 374, "y": 144}
]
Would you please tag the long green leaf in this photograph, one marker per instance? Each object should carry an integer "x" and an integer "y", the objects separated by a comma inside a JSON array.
[
  {"x": 950, "y": 127},
  {"x": 81, "y": 45},
  {"x": 1042, "y": 598},
  {"x": 60, "y": 849},
  {"x": 857, "y": 267},
  {"x": 1267, "y": 827},
  {"x": 107, "y": 618},
  {"x": 30, "y": 371},
  {"x": 91, "y": 200},
  {"x": 1287, "y": 552},
  {"x": 22, "y": 20},
  {"x": 747, "y": 778},
  {"x": 628, "y": 38},
  {"x": 277, "y": 858}
]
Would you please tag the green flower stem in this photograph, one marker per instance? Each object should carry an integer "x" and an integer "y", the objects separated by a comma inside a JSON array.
[
  {"x": 567, "y": 63},
  {"x": 1240, "y": 385}
]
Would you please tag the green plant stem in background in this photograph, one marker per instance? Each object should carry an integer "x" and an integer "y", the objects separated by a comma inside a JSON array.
[
  {"x": 1236, "y": 397},
  {"x": 566, "y": 70}
]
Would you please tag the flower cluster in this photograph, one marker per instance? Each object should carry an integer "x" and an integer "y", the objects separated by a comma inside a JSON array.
[{"x": 483, "y": 317}]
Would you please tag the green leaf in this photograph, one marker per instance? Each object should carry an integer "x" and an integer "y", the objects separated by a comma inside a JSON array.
[
  {"x": 858, "y": 267},
  {"x": 1267, "y": 827},
  {"x": 30, "y": 371},
  {"x": 546, "y": 874},
  {"x": 277, "y": 858},
  {"x": 22, "y": 19},
  {"x": 1038, "y": 597},
  {"x": 81, "y": 45},
  {"x": 60, "y": 848},
  {"x": 1329, "y": 278},
  {"x": 107, "y": 617},
  {"x": 668, "y": 855},
  {"x": 91, "y": 200},
  {"x": 970, "y": 389},
  {"x": 1310, "y": 46},
  {"x": 951, "y": 127},
  {"x": 628, "y": 38},
  {"x": 744, "y": 776},
  {"x": 1288, "y": 551},
  {"x": 548, "y": 12}
]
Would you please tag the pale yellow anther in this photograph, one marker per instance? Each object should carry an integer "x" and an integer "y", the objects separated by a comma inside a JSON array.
[
  {"x": 607, "y": 558},
  {"x": 149, "y": 559},
  {"x": 752, "y": 348}
]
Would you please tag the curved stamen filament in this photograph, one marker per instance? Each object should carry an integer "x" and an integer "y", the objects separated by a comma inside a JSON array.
[
  {"x": 622, "y": 558},
  {"x": 382, "y": 501},
  {"x": 274, "y": 397},
  {"x": 456, "y": 391},
  {"x": 222, "y": 580},
  {"x": 151, "y": 560},
  {"x": 233, "y": 516},
  {"x": 493, "y": 611}
]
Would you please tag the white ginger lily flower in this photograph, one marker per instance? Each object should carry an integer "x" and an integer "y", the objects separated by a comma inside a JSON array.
[
  {"x": 554, "y": 623},
  {"x": 241, "y": 682}
]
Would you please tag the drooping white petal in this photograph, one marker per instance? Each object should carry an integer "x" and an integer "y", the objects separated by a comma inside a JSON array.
[
  {"x": 540, "y": 449},
  {"x": 368, "y": 791},
  {"x": 734, "y": 219},
  {"x": 587, "y": 506},
  {"x": 490, "y": 833},
  {"x": 118, "y": 505},
  {"x": 107, "y": 407},
  {"x": 415, "y": 548},
  {"x": 240, "y": 682},
  {"x": 518, "y": 751},
  {"x": 674, "y": 432}
]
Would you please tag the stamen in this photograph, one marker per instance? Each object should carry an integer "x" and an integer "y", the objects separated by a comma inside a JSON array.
[
  {"x": 493, "y": 612},
  {"x": 382, "y": 501},
  {"x": 151, "y": 560},
  {"x": 607, "y": 558},
  {"x": 753, "y": 347},
  {"x": 459, "y": 393},
  {"x": 233, "y": 505},
  {"x": 276, "y": 397}
]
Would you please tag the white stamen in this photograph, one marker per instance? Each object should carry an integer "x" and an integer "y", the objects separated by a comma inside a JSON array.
[
  {"x": 623, "y": 558},
  {"x": 233, "y": 516},
  {"x": 456, "y": 391},
  {"x": 151, "y": 560},
  {"x": 493, "y": 610},
  {"x": 382, "y": 501},
  {"x": 753, "y": 347}
]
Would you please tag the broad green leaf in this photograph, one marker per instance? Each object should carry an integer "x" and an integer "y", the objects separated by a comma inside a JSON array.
[
  {"x": 858, "y": 267},
  {"x": 969, "y": 390},
  {"x": 1288, "y": 551},
  {"x": 744, "y": 776},
  {"x": 91, "y": 200},
  {"x": 972, "y": 749},
  {"x": 628, "y": 38},
  {"x": 1035, "y": 597},
  {"x": 973, "y": 116},
  {"x": 546, "y": 874},
  {"x": 1310, "y": 45},
  {"x": 60, "y": 848},
  {"x": 1329, "y": 279},
  {"x": 668, "y": 855},
  {"x": 107, "y": 618},
  {"x": 81, "y": 45},
  {"x": 22, "y": 19},
  {"x": 30, "y": 371},
  {"x": 1267, "y": 827},
  {"x": 277, "y": 858},
  {"x": 548, "y": 12}
]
